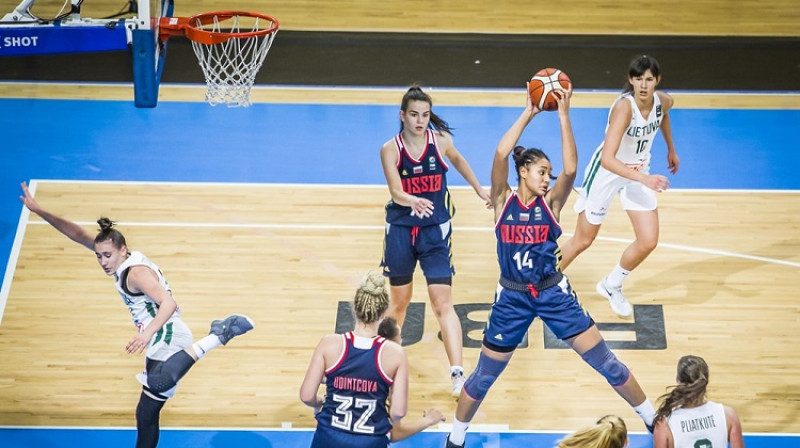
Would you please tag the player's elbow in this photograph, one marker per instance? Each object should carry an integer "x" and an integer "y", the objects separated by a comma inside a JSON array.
[
  {"x": 308, "y": 397},
  {"x": 397, "y": 413}
]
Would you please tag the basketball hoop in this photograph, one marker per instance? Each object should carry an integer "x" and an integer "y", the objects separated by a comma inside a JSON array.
[{"x": 230, "y": 57}]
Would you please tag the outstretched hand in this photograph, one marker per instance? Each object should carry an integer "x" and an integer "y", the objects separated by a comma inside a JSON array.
[
  {"x": 27, "y": 199},
  {"x": 433, "y": 416}
]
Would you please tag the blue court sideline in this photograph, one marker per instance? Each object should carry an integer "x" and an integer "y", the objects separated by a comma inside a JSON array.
[
  {"x": 193, "y": 438},
  {"x": 336, "y": 144}
]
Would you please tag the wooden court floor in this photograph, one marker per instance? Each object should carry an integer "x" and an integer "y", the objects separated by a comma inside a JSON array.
[{"x": 726, "y": 284}]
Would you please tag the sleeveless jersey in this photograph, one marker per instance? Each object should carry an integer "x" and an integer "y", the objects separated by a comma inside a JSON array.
[
  {"x": 356, "y": 391},
  {"x": 527, "y": 251},
  {"x": 634, "y": 149},
  {"x": 143, "y": 309},
  {"x": 701, "y": 427},
  {"x": 424, "y": 177}
]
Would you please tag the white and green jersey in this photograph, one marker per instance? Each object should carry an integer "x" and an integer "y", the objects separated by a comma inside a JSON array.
[
  {"x": 143, "y": 308},
  {"x": 634, "y": 149},
  {"x": 701, "y": 427}
]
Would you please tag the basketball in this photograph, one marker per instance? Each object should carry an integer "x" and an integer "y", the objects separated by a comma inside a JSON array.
[{"x": 542, "y": 85}]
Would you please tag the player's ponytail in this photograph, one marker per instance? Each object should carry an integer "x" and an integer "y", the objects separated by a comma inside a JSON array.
[
  {"x": 690, "y": 390},
  {"x": 609, "y": 432},
  {"x": 108, "y": 232}
]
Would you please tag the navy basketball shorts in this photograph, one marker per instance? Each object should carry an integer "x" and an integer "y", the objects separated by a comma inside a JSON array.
[
  {"x": 513, "y": 312},
  {"x": 430, "y": 245},
  {"x": 331, "y": 438}
]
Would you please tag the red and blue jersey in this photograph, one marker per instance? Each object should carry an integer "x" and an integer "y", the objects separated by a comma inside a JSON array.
[
  {"x": 356, "y": 391},
  {"x": 527, "y": 235},
  {"x": 424, "y": 177}
]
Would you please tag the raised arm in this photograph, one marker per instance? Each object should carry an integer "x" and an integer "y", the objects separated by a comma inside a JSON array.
[
  {"x": 389, "y": 158},
  {"x": 462, "y": 166},
  {"x": 500, "y": 187},
  {"x": 557, "y": 196},
  {"x": 673, "y": 162},
  {"x": 70, "y": 229}
]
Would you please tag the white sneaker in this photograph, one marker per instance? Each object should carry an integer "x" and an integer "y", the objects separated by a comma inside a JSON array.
[
  {"x": 458, "y": 379},
  {"x": 615, "y": 298}
]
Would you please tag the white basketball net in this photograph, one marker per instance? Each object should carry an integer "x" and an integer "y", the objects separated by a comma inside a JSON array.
[{"x": 230, "y": 67}]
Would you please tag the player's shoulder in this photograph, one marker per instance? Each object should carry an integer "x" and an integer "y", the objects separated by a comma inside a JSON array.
[
  {"x": 392, "y": 347},
  {"x": 332, "y": 340},
  {"x": 443, "y": 137},
  {"x": 622, "y": 105},
  {"x": 666, "y": 99}
]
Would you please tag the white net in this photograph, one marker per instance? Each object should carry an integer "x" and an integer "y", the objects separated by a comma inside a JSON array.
[{"x": 230, "y": 67}]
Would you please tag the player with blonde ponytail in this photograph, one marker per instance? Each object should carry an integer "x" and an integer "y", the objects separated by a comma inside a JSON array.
[
  {"x": 609, "y": 432},
  {"x": 361, "y": 370}
]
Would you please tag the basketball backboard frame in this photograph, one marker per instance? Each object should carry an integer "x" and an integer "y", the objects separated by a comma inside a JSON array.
[{"x": 22, "y": 34}]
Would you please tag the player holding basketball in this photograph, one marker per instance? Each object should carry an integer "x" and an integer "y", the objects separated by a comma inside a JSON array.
[
  {"x": 621, "y": 165},
  {"x": 687, "y": 418},
  {"x": 360, "y": 369},
  {"x": 161, "y": 333},
  {"x": 418, "y": 217},
  {"x": 531, "y": 284}
]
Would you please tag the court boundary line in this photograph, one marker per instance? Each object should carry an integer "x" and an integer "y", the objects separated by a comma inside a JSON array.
[
  {"x": 13, "y": 256},
  {"x": 381, "y": 186},
  {"x": 209, "y": 225}
]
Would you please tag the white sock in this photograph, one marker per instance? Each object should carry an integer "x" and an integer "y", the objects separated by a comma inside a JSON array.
[
  {"x": 205, "y": 345},
  {"x": 646, "y": 411},
  {"x": 616, "y": 277},
  {"x": 454, "y": 370},
  {"x": 459, "y": 432}
]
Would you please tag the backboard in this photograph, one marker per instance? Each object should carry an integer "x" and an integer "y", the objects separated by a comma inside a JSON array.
[{"x": 22, "y": 32}]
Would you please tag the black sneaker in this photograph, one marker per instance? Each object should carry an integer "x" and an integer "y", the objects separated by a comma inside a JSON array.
[{"x": 450, "y": 444}]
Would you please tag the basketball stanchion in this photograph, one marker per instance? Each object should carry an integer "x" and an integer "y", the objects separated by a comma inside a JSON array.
[{"x": 230, "y": 57}]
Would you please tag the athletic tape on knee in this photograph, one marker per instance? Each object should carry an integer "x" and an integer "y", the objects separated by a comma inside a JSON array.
[
  {"x": 484, "y": 376},
  {"x": 605, "y": 362}
]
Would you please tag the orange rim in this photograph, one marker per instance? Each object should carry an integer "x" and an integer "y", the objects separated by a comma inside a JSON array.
[{"x": 171, "y": 26}]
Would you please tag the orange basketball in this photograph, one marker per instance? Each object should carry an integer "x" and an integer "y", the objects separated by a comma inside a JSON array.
[{"x": 542, "y": 85}]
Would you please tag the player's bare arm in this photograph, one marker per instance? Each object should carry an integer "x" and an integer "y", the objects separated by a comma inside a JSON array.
[
  {"x": 70, "y": 229},
  {"x": 389, "y": 157},
  {"x": 143, "y": 279}
]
